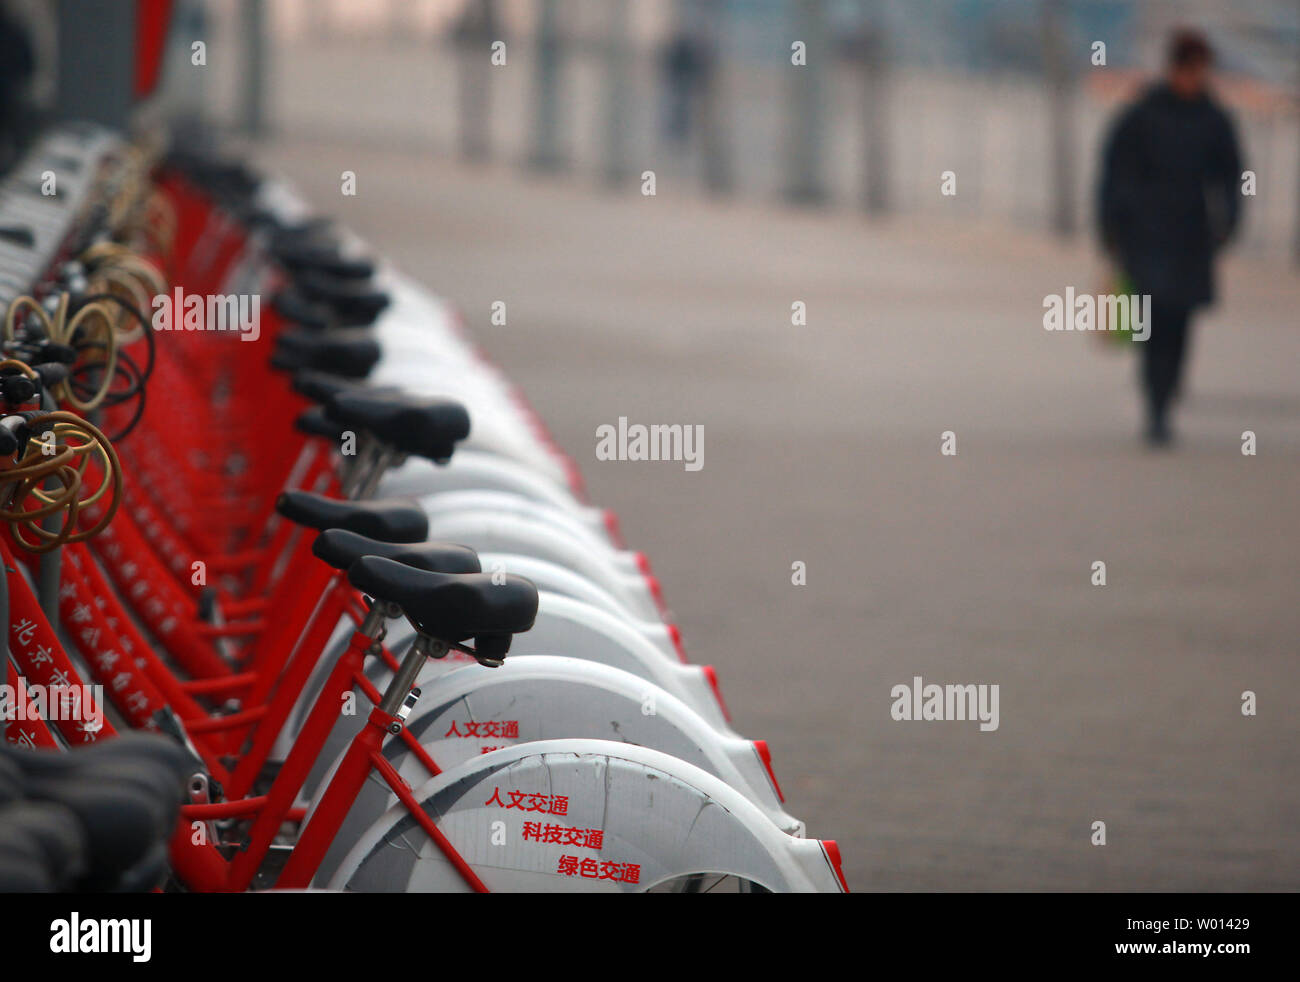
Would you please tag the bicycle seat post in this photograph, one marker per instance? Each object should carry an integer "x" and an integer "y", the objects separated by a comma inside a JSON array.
[
  {"x": 383, "y": 458},
  {"x": 379, "y": 614},
  {"x": 395, "y": 701},
  {"x": 355, "y": 466}
]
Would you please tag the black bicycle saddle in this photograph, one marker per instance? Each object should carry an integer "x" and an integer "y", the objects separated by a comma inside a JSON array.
[
  {"x": 451, "y": 608},
  {"x": 341, "y": 548},
  {"x": 389, "y": 520},
  {"x": 124, "y": 795},
  {"x": 353, "y": 301},
  {"x": 423, "y": 426},
  {"x": 341, "y": 354},
  {"x": 325, "y": 258},
  {"x": 293, "y": 306},
  {"x": 313, "y": 423}
]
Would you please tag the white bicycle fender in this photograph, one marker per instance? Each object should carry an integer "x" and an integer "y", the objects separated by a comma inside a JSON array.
[
  {"x": 628, "y": 819},
  {"x": 474, "y": 710}
]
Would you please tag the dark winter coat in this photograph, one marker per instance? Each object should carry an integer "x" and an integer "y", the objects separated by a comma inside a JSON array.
[{"x": 1170, "y": 193}]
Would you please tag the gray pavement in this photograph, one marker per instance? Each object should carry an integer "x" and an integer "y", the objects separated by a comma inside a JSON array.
[{"x": 1118, "y": 703}]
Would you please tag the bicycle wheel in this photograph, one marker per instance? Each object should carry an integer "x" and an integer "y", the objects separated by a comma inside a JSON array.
[{"x": 582, "y": 816}]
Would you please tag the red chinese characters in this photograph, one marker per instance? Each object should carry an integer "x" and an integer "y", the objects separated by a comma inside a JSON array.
[
  {"x": 592, "y": 870},
  {"x": 560, "y": 835},
  {"x": 503, "y": 729},
  {"x": 531, "y": 802}
]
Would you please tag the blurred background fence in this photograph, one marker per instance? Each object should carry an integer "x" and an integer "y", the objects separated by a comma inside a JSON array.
[{"x": 1003, "y": 93}]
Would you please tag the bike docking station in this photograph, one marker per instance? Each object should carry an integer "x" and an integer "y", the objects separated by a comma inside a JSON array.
[{"x": 334, "y": 571}]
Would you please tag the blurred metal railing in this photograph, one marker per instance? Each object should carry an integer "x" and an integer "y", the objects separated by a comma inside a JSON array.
[{"x": 1002, "y": 94}]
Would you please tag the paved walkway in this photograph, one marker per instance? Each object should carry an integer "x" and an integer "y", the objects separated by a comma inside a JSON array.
[{"x": 1118, "y": 704}]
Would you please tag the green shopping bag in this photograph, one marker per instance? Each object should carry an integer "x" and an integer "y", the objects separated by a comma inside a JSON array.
[{"x": 1121, "y": 332}]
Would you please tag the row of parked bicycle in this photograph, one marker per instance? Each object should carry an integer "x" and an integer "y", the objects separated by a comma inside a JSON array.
[{"x": 312, "y": 541}]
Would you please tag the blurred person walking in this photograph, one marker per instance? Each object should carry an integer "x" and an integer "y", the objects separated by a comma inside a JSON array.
[
  {"x": 1169, "y": 200},
  {"x": 688, "y": 62},
  {"x": 473, "y": 34}
]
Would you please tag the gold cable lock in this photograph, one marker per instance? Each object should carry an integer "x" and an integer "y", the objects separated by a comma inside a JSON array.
[
  {"x": 116, "y": 270},
  {"x": 62, "y": 329},
  {"x": 60, "y": 448}
]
